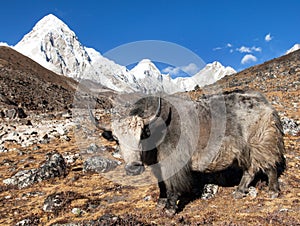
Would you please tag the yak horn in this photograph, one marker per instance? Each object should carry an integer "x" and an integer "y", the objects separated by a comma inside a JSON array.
[
  {"x": 153, "y": 118},
  {"x": 96, "y": 121}
]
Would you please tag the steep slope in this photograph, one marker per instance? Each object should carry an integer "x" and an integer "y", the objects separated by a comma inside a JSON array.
[
  {"x": 27, "y": 84},
  {"x": 278, "y": 79}
]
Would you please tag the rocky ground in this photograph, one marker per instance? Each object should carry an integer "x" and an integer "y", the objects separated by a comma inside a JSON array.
[
  {"x": 56, "y": 170},
  {"x": 55, "y": 181}
]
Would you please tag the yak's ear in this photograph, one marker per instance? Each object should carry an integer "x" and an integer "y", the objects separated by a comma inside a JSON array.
[{"x": 108, "y": 136}]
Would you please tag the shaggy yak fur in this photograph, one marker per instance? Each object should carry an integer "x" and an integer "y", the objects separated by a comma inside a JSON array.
[{"x": 252, "y": 140}]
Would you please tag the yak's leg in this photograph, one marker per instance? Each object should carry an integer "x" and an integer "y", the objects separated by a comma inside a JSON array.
[
  {"x": 273, "y": 182},
  {"x": 242, "y": 188},
  {"x": 172, "y": 200},
  {"x": 163, "y": 199}
]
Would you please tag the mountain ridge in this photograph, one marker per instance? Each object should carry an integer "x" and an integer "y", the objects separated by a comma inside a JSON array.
[{"x": 55, "y": 46}]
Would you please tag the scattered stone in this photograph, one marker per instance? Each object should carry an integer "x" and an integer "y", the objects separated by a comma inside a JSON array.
[
  {"x": 21, "y": 113},
  {"x": 35, "y": 148},
  {"x": 65, "y": 137},
  {"x": 148, "y": 198},
  {"x": 252, "y": 192},
  {"x": 209, "y": 191},
  {"x": 53, "y": 202},
  {"x": 117, "y": 155},
  {"x": 290, "y": 126},
  {"x": 30, "y": 221},
  {"x": 45, "y": 139},
  {"x": 99, "y": 164},
  {"x": 58, "y": 201},
  {"x": 92, "y": 148},
  {"x": 77, "y": 211},
  {"x": 71, "y": 158},
  {"x": 54, "y": 166},
  {"x": 11, "y": 113},
  {"x": 3, "y": 149}
]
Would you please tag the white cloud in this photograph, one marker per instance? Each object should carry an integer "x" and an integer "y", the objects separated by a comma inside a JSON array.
[
  {"x": 190, "y": 69},
  {"x": 268, "y": 37},
  {"x": 248, "y": 58},
  {"x": 171, "y": 70},
  {"x": 256, "y": 49},
  {"x": 228, "y": 45},
  {"x": 217, "y": 48},
  {"x": 245, "y": 49}
]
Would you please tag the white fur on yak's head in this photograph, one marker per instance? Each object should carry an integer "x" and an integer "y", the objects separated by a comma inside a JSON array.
[{"x": 127, "y": 131}]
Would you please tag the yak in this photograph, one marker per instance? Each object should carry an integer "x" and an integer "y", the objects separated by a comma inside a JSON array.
[{"x": 180, "y": 136}]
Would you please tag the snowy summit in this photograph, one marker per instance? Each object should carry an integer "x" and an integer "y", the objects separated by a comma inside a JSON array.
[{"x": 55, "y": 46}]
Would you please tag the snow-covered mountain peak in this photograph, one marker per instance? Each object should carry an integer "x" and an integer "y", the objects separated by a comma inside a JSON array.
[
  {"x": 217, "y": 67},
  {"x": 55, "y": 46},
  {"x": 145, "y": 68},
  {"x": 48, "y": 22}
]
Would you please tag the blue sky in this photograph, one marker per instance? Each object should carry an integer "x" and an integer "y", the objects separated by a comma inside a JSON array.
[{"x": 236, "y": 33}]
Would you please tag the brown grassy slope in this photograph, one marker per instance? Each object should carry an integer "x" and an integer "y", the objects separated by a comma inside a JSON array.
[{"x": 24, "y": 82}]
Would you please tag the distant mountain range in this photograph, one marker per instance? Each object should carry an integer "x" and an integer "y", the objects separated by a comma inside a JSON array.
[{"x": 52, "y": 44}]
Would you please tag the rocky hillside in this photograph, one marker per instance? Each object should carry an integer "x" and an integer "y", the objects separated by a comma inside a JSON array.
[
  {"x": 278, "y": 79},
  {"x": 27, "y": 85}
]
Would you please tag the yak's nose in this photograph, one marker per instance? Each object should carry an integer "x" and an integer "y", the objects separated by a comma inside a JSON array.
[{"x": 134, "y": 168}]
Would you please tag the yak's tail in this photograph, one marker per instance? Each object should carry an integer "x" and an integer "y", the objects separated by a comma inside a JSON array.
[{"x": 267, "y": 144}]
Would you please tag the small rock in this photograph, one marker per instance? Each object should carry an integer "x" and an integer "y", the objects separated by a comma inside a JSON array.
[
  {"x": 209, "y": 191},
  {"x": 45, "y": 139},
  {"x": 99, "y": 164},
  {"x": 252, "y": 192},
  {"x": 28, "y": 221},
  {"x": 290, "y": 126},
  {"x": 117, "y": 155},
  {"x": 21, "y": 113},
  {"x": 3, "y": 149},
  {"x": 92, "y": 148},
  {"x": 71, "y": 158},
  {"x": 35, "y": 148},
  {"x": 53, "y": 202},
  {"x": 54, "y": 166},
  {"x": 58, "y": 201},
  {"x": 77, "y": 211},
  {"x": 148, "y": 198},
  {"x": 65, "y": 137}
]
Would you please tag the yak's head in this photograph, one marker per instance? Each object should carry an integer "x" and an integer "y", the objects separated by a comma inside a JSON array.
[{"x": 128, "y": 132}]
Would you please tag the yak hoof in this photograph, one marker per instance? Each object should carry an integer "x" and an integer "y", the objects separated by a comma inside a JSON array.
[
  {"x": 161, "y": 203},
  {"x": 238, "y": 194},
  {"x": 170, "y": 212},
  {"x": 273, "y": 194}
]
